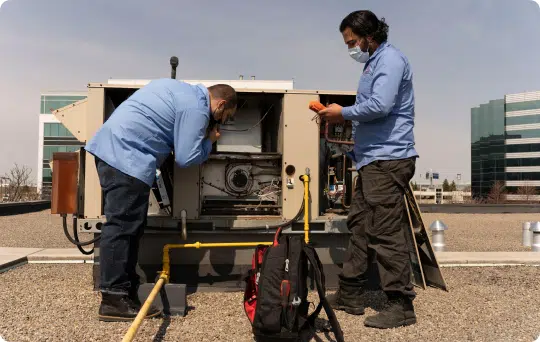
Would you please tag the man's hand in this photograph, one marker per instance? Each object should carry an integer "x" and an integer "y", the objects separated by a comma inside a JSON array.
[
  {"x": 214, "y": 135},
  {"x": 332, "y": 114}
]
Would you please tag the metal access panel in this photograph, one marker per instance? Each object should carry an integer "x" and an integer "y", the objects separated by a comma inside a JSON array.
[
  {"x": 300, "y": 151},
  {"x": 426, "y": 269}
]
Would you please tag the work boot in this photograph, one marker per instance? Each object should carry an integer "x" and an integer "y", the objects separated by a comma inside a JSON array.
[
  {"x": 398, "y": 311},
  {"x": 121, "y": 308},
  {"x": 352, "y": 304}
]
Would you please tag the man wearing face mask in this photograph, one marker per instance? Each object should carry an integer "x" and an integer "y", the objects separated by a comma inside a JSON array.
[
  {"x": 385, "y": 156},
  {"x": 165, "y": 114}
]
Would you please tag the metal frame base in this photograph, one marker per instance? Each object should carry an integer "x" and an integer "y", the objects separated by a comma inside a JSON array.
[{"x": 172, "y": 298}]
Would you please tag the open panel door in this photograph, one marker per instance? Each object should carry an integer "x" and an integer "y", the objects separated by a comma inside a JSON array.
[
  {"x": 73, "y": 118},
  {"x": 426, "y": 270}
]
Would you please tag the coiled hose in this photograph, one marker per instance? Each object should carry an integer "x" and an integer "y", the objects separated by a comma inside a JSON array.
[{"x": 76, "y": 241}]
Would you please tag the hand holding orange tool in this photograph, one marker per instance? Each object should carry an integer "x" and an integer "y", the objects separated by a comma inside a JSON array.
[{"x": 316, "y": 106}]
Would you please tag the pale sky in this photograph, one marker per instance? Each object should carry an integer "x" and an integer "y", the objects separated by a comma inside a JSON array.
[{"x": 462, "y": 52}]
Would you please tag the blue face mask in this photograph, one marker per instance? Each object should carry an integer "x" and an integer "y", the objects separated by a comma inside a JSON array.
[{"x": 358, "y": 55}]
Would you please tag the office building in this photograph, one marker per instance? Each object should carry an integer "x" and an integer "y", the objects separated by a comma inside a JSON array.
[
  {"x": 53, "y": 136},
  {"x": 505, "y": 144}
]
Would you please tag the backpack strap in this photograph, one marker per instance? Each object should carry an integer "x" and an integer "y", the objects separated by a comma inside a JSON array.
[{"x": 320, "y": 281}]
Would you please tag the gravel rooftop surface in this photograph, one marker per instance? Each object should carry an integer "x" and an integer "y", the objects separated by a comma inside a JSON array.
[
  {"x": 482, "y": 232},
  {"x": 467, "y": 232},
  {"x": 35, "y": 230},
  {"x": 43, "y": 302}
]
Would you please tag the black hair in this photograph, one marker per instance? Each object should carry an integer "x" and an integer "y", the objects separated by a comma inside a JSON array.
[
  {"x": 365, "y": 23},
  {"x": 224, "y": 92}
]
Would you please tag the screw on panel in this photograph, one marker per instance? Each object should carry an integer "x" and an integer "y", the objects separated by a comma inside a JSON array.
[{"x": 437, "y": 235}]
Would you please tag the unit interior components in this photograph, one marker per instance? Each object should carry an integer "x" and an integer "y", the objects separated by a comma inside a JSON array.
[
  {"x": 243, "y": 173},
  {"x": 255, "y": 126},
  {"x": 162, "y": 189},
  {"x": 337, "y": 133},
  {"x": 338, "y": 179},
  {"x": 241, "y": 184},
  {"x": 336, "y": 182}
]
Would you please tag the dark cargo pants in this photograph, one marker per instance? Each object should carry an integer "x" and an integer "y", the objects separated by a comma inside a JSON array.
[
  {"x": 126, "y": 201},
  {"x": 378, "y": 221}
]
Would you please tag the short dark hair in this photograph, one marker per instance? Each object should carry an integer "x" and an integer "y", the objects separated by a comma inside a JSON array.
[
  {"x": 366, "y": 23},
  {"x": 224, "y": 92}
]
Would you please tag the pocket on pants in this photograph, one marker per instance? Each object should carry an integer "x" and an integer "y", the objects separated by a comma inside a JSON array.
[{"x": 379, "y": 187}]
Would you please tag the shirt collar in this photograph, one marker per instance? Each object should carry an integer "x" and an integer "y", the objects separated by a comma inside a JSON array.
[
  {"x": 205, "y": 96},
  {"x": 381, "y": 47}
]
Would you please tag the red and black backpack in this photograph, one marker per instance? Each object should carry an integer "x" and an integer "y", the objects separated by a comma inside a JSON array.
[{"x": 275, "y": 298}]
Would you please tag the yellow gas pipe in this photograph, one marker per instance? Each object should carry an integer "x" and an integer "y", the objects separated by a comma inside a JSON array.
[
  {"x": 305, "y": 179},
  {"x": 165, "y": 273}
]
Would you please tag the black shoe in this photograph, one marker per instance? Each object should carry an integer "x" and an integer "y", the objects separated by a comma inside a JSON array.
[
  {"x": 351, "y": 304},
  {"x": 121, "y": 308},
  {"x": 397, "y": 312}
]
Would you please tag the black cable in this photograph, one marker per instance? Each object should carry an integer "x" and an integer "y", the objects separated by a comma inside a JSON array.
[
  {"x": 252, "y": 127},
  {"x": 76, "y": 236},
  {"x": 256, "y": 228},
  {"x": 76, "y": 242},
  {"x": 283, "y": 224}
]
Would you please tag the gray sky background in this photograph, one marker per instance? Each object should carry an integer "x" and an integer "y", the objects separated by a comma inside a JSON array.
[{"x": 463, "y": 53}]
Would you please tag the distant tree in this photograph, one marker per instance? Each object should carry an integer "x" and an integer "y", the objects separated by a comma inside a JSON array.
[
  {"x": 453, "y": 186},
  {"x": 467, "y": 188},
  {"x": 497, "y": 194},
  {"x": 527, "y": 191},
  {"x": 19, "y": 186},
  {"x": 445, "y": 185},
  {"x": 415, "y": 186}
]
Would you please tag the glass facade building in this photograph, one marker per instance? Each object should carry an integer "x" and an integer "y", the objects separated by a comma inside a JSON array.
[
  {"x": 54, "y": 137},
  {"x": 487, "y": 147},
  {"x": 505, "y": 144},
  {"x": 522, "y": 140}
]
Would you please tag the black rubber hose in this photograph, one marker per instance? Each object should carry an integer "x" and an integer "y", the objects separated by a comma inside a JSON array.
[
  {"x": 76, "y": 236},
  {"x": 76, "y": 242}
]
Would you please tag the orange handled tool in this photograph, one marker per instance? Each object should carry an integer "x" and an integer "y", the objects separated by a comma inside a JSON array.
[{"x": 316, "y": 106}]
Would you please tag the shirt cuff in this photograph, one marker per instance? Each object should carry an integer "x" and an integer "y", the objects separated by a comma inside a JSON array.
[{"x": 347, "y": 113}]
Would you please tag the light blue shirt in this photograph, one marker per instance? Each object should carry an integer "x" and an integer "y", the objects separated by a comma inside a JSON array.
[
  {"x": 142, "y": 131},
  {"x": 383, "y": 115}
]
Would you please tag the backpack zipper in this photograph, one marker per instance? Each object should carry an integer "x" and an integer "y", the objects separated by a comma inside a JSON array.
[{"x": 288, "y": 286}]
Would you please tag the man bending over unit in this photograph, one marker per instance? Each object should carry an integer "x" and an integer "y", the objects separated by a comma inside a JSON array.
[{"x": 164, "y": 115}]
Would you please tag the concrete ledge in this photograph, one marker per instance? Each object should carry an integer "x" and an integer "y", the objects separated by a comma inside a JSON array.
[
  {"x": 483, "y": 258},
  {"x": 11, "y": 257},
  {"x": 14, "y": 256},
  {"x": 59, "y": 254},
  {"x": 459, "y": 208}
]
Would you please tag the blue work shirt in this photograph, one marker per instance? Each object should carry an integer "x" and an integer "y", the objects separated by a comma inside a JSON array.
[
  {"x": 383, "y": 115},
  {"x": 142, "y": 131}
]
